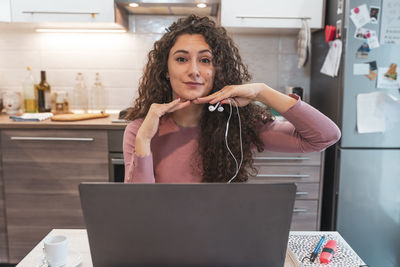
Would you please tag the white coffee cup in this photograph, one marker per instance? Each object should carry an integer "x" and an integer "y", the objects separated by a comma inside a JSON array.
[{"x": 56, "y": 250}]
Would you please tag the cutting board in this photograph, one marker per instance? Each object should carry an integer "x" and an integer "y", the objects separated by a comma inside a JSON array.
[{"x": 78, "y": 117}]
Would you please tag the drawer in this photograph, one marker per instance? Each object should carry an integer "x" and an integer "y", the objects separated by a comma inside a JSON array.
[
  {"x": 276, "y": 158},
  {"x": 54, "y": 144},
  {"x": 280, "y": 174},
  {"x": 115, "y": 140},
  {"x": 304, "y": 216},
  {"x": 307, "y": 191},
  {"x": 304, "y": 190}
]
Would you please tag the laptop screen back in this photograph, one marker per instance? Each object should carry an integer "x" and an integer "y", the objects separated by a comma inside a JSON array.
[{"x": 187, "y": 224}]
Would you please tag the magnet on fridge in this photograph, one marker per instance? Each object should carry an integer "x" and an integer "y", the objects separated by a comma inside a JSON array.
[
  {"x": 329, "y": 33},
  {"x": 371, "y": 75},
  {"x": 391, "y": 73},
  {"x": 374, "y": 14},
  {"x": 372, "y": 39},
  {"x": 338, "y": 29},
  {"x": 339, "y": 7},
  {"x": 362, "y": 33},
  {"x": 363, "y": 50},
  {"x": 372, "y": 65}
]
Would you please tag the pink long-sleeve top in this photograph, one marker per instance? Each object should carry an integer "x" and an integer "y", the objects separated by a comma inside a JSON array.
[{"x": 171, "y": 161}]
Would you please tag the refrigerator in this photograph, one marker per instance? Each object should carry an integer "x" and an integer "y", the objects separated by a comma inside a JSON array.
[{"x": 361, "y": 194}]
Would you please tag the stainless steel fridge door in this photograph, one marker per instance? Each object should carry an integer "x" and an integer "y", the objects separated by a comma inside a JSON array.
[
  {"x": 384, "y": 55},
  {"x": 368, "y": 214}
]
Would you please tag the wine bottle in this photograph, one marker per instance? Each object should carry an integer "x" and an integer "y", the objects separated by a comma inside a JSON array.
[
  {"x": 30, "y": 103},
  {"x": 43, "y": 93}
]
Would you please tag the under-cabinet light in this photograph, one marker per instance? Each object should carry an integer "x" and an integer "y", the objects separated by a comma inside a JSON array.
[{"x": 82, "y": 30}]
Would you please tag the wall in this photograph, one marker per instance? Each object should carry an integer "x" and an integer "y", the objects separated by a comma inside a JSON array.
[
  {"x": 120, "y": 58},
  {"x": 272, "y": 59}
]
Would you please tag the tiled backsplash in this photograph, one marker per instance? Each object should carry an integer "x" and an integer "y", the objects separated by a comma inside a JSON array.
[{"x": 120, "y": 58}]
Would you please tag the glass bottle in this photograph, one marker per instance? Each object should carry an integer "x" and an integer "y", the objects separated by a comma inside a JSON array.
[
  {"x": 43, "y": 93},
  {"x": 80, "y": 94},
  {"x": 97, "y": 96},
  {"x": 28, "y": 85}
]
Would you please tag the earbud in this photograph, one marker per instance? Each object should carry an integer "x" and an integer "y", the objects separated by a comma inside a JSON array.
[{"x": 212, "y": 108}]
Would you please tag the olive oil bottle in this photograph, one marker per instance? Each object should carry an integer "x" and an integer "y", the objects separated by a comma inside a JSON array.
[{"x": 30, "y": 102}]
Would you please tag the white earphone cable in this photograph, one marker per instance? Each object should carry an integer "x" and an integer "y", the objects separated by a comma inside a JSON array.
[{"x": 238, "y": 166}]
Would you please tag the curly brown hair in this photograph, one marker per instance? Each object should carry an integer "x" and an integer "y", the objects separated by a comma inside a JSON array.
[{"x": 154, "y": 87}]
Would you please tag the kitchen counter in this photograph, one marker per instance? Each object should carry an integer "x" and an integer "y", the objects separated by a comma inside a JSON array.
[{"x": 101, "y": 123}]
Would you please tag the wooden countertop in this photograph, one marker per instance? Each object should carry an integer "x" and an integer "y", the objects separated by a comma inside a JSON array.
[{"x": 102, "y": 123}]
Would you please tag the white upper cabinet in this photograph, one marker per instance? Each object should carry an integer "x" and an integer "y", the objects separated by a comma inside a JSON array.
[
  {"x": 5, "y": 11},
  {"x": 273, "y": 14},
  {"x": 81, "y": 11}
]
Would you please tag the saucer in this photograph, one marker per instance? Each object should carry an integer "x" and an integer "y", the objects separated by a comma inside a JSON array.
[{"x": 74, "y": 259}]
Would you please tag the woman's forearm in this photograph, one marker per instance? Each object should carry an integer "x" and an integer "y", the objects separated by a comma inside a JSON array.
[
  {"x": 275, "y": 99},
  {"x": 138, "y": 169},
  {"x": 142, "y": 146}
]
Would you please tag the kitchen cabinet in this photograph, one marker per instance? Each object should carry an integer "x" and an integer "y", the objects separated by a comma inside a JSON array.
[
  {"x": 3, "y": 231},
  {"x": 237, "y": 15},
  {"x": 305, "y": 170},
  {"x": 74, "y": 11},
  {"x": 5, "y": 11},
  {"x": 41, "y": 172}
]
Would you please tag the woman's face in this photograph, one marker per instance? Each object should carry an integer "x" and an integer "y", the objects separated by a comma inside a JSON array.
[{"x": 190, "y": 67}]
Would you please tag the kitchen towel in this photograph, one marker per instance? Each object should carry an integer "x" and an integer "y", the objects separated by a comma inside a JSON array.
[
  {"x": 303, "y": 44},
  {"x": 32, "y": 116}
]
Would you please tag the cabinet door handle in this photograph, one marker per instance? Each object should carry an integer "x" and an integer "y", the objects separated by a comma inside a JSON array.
[
  {"x": 284, "y": 175},
  {"x": 265, "y": 17},
  {"x": 32, "y": 138},
  {"x": 301, "y": 193},
  {"x": 60, "y": 12},
  {"x": 116, "y": 161},
  {"x": 282, "y": 158},
  {"x": 299, "y": 210}
]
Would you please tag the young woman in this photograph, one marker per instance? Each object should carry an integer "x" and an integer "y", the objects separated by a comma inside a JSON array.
[{"x": 174, "y": 138}]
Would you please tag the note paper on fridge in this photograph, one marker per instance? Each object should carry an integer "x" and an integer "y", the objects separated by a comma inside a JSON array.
[{"x": 361, "y": 69}]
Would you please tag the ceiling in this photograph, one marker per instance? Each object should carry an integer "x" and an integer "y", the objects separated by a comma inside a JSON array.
[{"x": 171, "y": 7}]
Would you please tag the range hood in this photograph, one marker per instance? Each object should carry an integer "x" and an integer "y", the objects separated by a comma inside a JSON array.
[{"x": 170, "y": 7}]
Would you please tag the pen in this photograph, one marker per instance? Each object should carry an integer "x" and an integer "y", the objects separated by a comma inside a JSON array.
[{"x": 315, "y": 252}]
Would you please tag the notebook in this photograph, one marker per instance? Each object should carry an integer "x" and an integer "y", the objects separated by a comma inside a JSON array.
[
  {"x": 301, "y": 244},
  {"x": 187, "y": 224}
]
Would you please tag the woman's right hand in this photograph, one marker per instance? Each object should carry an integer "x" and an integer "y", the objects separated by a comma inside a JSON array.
[{"x": 150, "y": 124}]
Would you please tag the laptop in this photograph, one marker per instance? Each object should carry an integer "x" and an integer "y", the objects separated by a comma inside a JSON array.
[{"x": 208, "y": 224}]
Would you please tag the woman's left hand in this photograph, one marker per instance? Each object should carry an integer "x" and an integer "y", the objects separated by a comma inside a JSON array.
[{"x": 243, "y": 94}]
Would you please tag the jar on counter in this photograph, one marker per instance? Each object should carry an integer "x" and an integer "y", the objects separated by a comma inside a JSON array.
[
  {"x": 62, "y": 102},
  {"x": 13, "y": 102}
]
